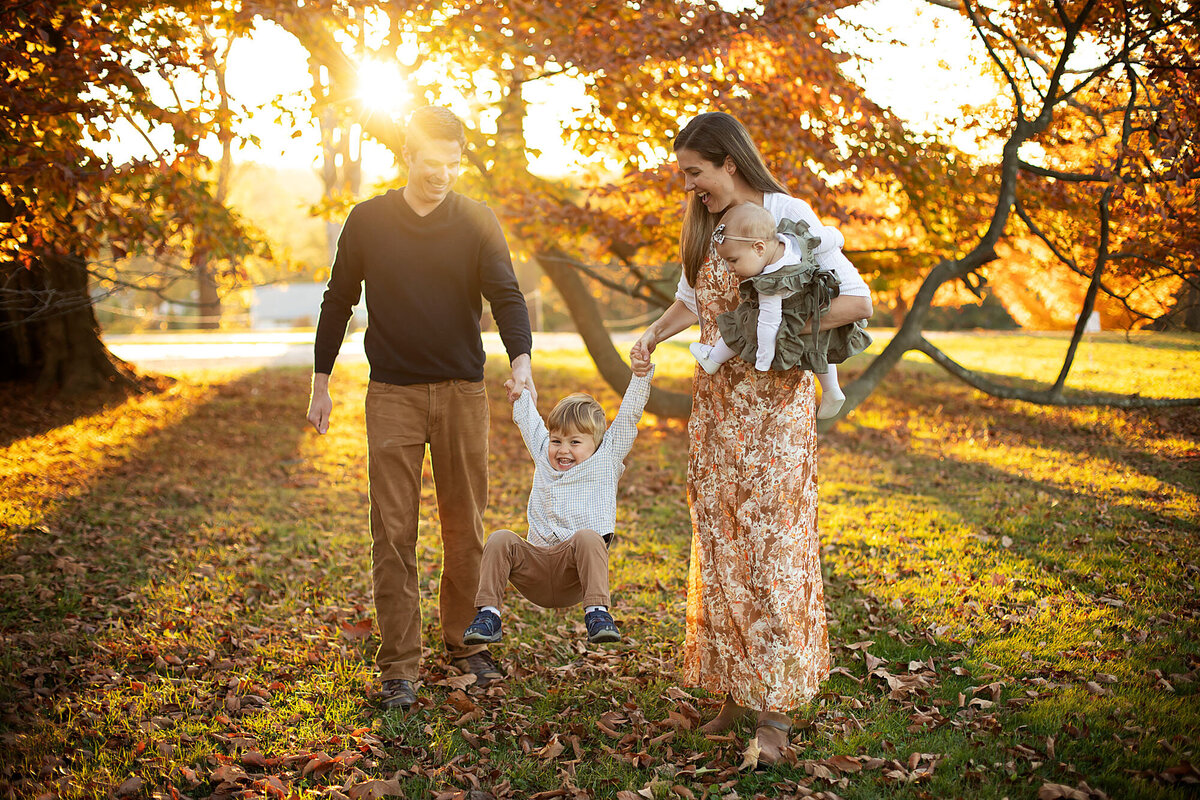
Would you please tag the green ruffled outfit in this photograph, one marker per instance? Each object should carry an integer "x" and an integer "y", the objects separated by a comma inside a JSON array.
[{"x": 808, "y": 291}]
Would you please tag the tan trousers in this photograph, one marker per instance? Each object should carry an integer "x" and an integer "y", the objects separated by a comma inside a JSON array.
[
  {"x": 452, "y": 418},
  {"x": 570, "y": 573}
]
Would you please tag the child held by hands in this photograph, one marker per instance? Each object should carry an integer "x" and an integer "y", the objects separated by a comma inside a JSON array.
[
  {"x": 784, "y": 292},
  {"x": 571, "y": 514}
]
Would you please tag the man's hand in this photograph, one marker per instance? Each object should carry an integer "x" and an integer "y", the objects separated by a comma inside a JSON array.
[
  {"x": 522, "y": 378},
  {"x": 320, "y": 405}
]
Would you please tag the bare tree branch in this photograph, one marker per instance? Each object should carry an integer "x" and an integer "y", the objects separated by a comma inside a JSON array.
[
  {"x": 590, "y": 271},
  {"x": 1046, "y": 397},
  {"x": 1059, "y": 175}
]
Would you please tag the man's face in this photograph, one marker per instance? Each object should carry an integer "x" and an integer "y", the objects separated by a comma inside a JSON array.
[{"x": 433, "y": 169}]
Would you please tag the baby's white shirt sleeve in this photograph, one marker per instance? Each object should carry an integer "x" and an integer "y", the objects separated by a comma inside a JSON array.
[{"x": 770, "y": 308}]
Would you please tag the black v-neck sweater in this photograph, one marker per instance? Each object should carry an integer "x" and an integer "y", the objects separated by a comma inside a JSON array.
[{"x": 424, "y": 278}]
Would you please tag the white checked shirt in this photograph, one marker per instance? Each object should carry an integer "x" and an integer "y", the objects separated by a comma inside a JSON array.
[{"x": 585, "y": 496}]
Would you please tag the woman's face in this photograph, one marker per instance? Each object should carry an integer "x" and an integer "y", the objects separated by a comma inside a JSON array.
[{"x": 714, "y": 184}]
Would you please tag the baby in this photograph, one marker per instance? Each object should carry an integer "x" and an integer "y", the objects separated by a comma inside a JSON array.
[{"x": 783, "y": 291}]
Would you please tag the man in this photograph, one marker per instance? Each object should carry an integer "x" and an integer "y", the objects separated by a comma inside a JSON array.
[{"x": 426, "y": 256}]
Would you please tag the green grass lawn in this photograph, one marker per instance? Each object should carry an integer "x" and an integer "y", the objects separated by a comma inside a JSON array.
[{"x": 1012, "y": 593}]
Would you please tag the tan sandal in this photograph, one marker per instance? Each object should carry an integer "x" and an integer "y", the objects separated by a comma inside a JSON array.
[{"x": 723, "y": 722}]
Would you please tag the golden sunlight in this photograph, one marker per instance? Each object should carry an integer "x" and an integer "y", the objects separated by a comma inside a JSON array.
[{"x": 382, "y": 87}]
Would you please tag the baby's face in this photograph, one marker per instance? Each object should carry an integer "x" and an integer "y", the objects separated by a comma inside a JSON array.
[
  {"x": 570, "y": 449},
  {"x": 746, "y": 259}
]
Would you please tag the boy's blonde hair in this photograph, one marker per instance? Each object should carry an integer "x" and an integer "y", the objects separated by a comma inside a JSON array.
[
  {"x": 578, "y": 413},
  {"x": 750, "y": 220}
]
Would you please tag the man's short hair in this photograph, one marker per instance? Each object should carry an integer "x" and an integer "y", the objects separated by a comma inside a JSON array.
[
  {"x": 433, "y": 122},
  {"x": 578, "y": 413}
]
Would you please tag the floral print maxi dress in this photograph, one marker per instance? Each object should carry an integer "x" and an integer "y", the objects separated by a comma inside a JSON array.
[{"x": 756, "y": 606}]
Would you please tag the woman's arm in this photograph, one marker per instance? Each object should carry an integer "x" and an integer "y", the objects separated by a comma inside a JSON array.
[
  {"x": 844, "y": 310},
  {"x": 676, "y": 318}
]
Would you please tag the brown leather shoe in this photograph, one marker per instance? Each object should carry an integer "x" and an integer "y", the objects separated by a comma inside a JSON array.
[
  {"x": 398, "y": 693},
  {"x": 482, "y": 666}
]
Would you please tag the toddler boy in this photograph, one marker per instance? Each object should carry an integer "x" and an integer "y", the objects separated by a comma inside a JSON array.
[{"x": 571, "y": 514}]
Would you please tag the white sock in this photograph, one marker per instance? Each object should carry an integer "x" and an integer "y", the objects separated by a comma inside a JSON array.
[
  {"x": 832, "y": 396},
  {"x": 590, "y": 609},
  {"x": 721, "y": 352},
  {"x": 492, "y": 609}
]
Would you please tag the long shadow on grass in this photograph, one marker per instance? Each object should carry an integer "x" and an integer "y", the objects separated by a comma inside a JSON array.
[
  {"x": 927, "y": 553},
  {"x": 1114, "y": 435},
  {"x": 28, "y": 413},
  {"x": 119, "y": 580}
]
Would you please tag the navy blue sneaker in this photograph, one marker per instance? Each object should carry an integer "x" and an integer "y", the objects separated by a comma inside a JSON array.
[
  {"x": 485, "y": 629},
  {"x": 600, "y": 627}
]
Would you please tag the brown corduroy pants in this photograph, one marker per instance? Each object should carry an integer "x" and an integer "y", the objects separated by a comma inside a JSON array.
[
  {"x": 570, "y": 573},
  {"x": 451, "y": 417}
]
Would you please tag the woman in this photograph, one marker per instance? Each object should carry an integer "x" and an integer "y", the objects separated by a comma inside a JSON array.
[{"x": 756, "y": 608}]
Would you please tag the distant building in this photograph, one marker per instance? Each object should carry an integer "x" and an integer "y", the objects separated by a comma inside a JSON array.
[{"x": 293, "y": 305}]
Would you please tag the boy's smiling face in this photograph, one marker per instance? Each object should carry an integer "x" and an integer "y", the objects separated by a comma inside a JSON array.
[{"x": 568, "y": 449}]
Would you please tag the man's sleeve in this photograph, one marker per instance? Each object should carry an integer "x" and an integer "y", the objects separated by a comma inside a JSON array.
[
  {"x": 770, "y": 316},
  {"x": 498, "y": 284},
  {"x": 341, "y": 295},
  {"x": 624, "y": 427}
]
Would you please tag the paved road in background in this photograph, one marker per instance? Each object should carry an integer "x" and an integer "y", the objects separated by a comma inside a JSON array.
[{"x": 167, "y": 352}]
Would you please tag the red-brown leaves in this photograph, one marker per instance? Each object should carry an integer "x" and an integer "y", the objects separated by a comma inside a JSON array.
[
  {"x": 356, "y": 631},
  {"x": 375, "y": 789}
]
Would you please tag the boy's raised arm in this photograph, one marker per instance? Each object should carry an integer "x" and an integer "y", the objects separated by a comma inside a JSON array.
[
  {"x": 532, "y": 427},
  {"x": 624, "y": 427}
]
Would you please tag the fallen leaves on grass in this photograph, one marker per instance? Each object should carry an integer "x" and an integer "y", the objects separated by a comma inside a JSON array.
[
  {"x": 375, "y": 789},
  {"x": 234, "y": 659}
]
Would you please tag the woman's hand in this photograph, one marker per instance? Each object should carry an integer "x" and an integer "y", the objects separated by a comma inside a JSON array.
[
  {"x": 639, "y": 354},
  {"x": 676, "y": 318}
]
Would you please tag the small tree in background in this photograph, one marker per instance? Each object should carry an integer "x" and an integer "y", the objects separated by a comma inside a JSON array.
[
  {"x": 71, "y": 213},
  {"x": 1099, "y": 166}
]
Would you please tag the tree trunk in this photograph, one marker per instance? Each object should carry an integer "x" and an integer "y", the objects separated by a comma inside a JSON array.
[
  {"x": 1184, "y": 313},
  {"x": 598, "y": 341},
  {"x": 899, "y": 310},
  {"x": 51, "y": 336},
  {"x": 209, "y": 301}
]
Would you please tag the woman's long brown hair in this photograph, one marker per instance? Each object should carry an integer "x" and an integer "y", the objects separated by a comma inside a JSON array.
[{"x": 716, "y": 136}]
